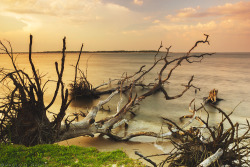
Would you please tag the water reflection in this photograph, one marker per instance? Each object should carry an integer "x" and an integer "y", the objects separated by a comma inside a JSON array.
[
  {"x": 229, "y": 73},
  {"x": 83, "y": 102}
]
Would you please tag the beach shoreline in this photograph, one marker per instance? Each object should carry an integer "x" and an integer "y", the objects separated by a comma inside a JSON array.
[{"x": 129, "y": 147}]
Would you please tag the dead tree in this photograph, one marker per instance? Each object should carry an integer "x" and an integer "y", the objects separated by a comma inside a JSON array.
[
  {"x": 81, "y": 87},
  {"x": 89, "y": 126},
  {"x": 23, "y": 113},
  {"x": 207, "y": 145}
]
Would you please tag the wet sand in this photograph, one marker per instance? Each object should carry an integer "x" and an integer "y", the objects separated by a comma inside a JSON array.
[{"x": 102, "y": 144}]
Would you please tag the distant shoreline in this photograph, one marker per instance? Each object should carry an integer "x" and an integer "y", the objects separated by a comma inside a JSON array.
[
  {"x": 115, "y": 51},
  {"x": 122, "y": 51}
]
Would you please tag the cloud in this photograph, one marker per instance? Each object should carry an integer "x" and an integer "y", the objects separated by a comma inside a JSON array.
[
  {"x": 47, "y": 7},
  {"x": 138, "y": 2},
  {"x": 13, "y": 24},
  {"x": 188, "y": 12},
  {"x": 156, "y": 21},
  {"x": 76, "y": 12},
  {"x": 99, "y": 21},
  {"x": 183, "y": 14},
  {"x": 116, "y": 7},
  {"x": 240, "y": 10},
  {"x": 184, "y": 27},
  {"x": 147, "y": 18},
  {"x": 130, "y": 32},
  {"x": 35, "y": 13},
  {"x": 225, "y": 19}
]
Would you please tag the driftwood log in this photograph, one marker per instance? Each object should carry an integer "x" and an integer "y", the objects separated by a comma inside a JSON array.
[{"x": 215, "y": 157}]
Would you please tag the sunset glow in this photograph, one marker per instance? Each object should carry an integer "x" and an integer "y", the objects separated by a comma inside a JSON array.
[{"x": 126, "y": 25}]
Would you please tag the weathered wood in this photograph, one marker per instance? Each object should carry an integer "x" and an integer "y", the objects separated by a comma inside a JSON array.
[
  {"x": 212, "y": 97},
  {"x": 207, "y": 162},
  {"x": 147, "y": 159},
  {"x": 87, "y": 125}
]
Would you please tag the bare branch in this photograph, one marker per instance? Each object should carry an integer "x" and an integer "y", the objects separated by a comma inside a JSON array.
[{"x": 60, "y": 74}]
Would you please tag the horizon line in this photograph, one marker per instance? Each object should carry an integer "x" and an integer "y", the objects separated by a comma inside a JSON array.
[{"x": 120, "y": 51}]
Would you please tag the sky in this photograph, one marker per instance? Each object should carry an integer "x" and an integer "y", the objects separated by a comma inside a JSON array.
[{"x": 126, "y": 24}]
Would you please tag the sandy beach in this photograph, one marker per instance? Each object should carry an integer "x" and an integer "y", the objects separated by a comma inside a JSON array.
[{"x": 102, "y": 144}]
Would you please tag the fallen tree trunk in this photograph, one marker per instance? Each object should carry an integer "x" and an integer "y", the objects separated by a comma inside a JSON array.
[{"x": 88, "y": 126}]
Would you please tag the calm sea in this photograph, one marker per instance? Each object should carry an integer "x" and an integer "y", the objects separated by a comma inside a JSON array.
[{"x": 227, "y": 72}]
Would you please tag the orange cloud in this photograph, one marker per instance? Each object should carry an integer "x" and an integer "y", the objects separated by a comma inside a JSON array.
[
  {"x": 183, "y": 14},
  {"x": 156, "y": 21},
  {"x": 138, "y": 2},
  {"x": 240, "y": 10},
  {"x": 188, "y": 12}
]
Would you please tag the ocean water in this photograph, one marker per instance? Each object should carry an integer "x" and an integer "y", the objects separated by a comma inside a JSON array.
[{"x": 227, "y": 72}]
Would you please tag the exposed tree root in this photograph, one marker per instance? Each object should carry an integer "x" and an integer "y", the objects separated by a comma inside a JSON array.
[
  {"x": 219, "y": 146},
  {"x": 23, "y": 112}
]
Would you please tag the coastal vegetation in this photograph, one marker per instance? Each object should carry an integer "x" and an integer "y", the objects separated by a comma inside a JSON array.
[
  {"x": 55, "y": 155},
  {"x": 24, "y": 119}
]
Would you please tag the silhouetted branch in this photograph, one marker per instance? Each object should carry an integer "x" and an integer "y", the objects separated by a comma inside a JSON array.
[
  {"x": 59, "y": 74},
  {"x": 147, "y": 159}
]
